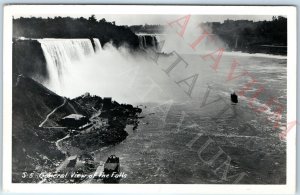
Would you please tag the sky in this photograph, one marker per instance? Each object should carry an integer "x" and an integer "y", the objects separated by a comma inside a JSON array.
[
  {"x": 163, "y": 19},
  {"x": 160, "y": 19}
]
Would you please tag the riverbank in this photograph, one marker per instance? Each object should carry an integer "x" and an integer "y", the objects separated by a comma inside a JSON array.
[{"x": 49, "y": 129}]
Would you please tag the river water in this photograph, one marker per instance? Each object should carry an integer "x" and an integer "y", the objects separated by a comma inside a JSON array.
[{"x": 178, "y": 139}]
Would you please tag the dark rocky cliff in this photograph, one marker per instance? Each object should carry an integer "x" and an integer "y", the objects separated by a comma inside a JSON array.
[
  {"x": 28, "y": 60},
  {"x": 36, "y": 127}
]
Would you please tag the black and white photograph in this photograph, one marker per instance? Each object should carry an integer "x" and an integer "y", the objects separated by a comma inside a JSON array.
[{"x": 176, "y": 97}]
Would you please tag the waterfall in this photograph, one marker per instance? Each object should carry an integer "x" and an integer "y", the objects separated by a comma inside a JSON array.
[
  {"x": 97, "y": 45},
  {"x": 146, "y": 41},
  {"x": 142, "y": 42},
  {"x": 60, "y": 55},
  {"x": 154, "y": 41},
  {"x": 160, "y": 39}
]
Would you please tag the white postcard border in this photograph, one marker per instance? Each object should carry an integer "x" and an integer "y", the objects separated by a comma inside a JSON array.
[{"x": 12, "y": 10}]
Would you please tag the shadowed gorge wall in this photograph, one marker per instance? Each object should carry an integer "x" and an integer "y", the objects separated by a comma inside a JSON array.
[{"x": 28, "y": 60}]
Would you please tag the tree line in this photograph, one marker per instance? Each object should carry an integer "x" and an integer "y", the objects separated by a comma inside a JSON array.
[
  {"x": 250, "y": 36},
  {"x": 67, "y": 27}
]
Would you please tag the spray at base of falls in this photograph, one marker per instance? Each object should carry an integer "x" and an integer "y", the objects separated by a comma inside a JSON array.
[{"x": 74, "y": 69}]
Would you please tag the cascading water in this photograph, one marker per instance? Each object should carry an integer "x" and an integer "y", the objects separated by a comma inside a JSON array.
[
  {"x": 154, "y": 41},
  {"x": 144, "y": 43},
  {"x": 97, "y": 45},
  {"x": 60, "y": 55},
  {"x": 75, "y": 67}
]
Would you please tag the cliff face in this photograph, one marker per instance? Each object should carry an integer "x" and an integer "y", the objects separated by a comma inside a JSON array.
[
  {"x": 37, "y": 115},
  {"x": 34, "y": 146},
  {"x": 29, "y": 60}
]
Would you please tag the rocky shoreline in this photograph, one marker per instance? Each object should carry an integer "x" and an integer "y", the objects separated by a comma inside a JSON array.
[{"x": 66, "y": 127}]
